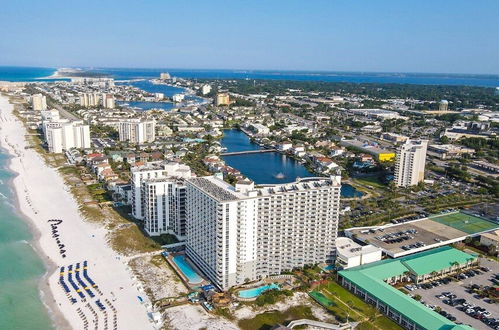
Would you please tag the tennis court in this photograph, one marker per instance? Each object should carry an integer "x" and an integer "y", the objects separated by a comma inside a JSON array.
[{"x": 465, "y": 222}]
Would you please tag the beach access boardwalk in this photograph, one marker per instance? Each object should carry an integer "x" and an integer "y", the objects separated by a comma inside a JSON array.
[{"x": 247, "y": 152}]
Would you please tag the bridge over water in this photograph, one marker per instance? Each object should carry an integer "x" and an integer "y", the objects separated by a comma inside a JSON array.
[{"x": 247, "y": 152}]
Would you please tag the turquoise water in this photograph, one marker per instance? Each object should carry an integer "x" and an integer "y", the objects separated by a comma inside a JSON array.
[
  {"x": 255, "y": 292},
  {"x": 14, "y": 73},
  {"x": 20, "y": 267},
  {"x": 187, "y": 270}
]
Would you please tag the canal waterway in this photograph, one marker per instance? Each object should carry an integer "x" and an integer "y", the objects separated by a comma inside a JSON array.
[{"x": 268, "y": 168}]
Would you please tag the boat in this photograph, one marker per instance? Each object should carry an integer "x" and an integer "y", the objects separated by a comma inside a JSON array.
[{"x": 279, "y": 176}]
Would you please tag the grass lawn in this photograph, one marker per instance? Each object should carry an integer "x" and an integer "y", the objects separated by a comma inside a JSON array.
[
  {"x": 267, "y": 320},
  {"x": 372, "y": 181},
  {"x": 465, "y": 222},
  {"x": 346, "y": 304},
  {"x": 165, "y": 239},
  {"x": 131, "y": 240}
]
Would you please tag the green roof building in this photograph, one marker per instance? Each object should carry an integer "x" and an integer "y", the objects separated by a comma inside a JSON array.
[{"x": 372, "y": 282}]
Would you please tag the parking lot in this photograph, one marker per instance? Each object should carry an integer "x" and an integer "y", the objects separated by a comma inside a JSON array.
[{"x": 456, "y": 293}]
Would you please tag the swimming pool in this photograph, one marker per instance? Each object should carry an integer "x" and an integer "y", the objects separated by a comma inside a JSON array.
[
  {"x": 329, "y": 268},
  {"x": 255, "y": 292},
  {"x": 187, "y": 270}
]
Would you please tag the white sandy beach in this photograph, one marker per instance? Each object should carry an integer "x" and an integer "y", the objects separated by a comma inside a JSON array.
[{"x": 43, "y": 195}]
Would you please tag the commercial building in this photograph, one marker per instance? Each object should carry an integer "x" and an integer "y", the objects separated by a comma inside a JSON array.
[
  {"x": 242, "y": 233},
  {"x": 39, "y": 102},
  {"x": 410, "y": 165},
  {"x": 490, "y": 239},
  {"x": 371, "y": 148},
  {"x": 401, "y": 239},
  {"x": 485, "y": 168},
  {"x": 377, "y": 114},
  {"x": 350, "y": 254},
  {"x": 393, "y": 137},
  {"x": 372, "y": 283},
  {"x": 469, "y": 129},
  {"x": 159, "y": 197},
  {"x": 222, "y": 99},
  {"x": 448, "y": 151},
  {"x": 136, "y": 130}
]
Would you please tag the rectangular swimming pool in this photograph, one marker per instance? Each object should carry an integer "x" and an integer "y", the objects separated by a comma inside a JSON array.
[{"x": 187, "y": 270}]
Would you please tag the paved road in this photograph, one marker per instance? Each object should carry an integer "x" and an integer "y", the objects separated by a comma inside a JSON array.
[{"x": 66, "y": 114}]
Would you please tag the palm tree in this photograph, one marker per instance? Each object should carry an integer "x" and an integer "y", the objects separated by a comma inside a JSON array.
[{"x": 433, "y": 274}]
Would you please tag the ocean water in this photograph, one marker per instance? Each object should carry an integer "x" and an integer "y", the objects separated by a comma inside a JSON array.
[
  {"x": 491, "y": 80},
  {"x": 20, "y": 267},
  {"x": 15, "y": 73},
  {"x": 354, "y": 77}
]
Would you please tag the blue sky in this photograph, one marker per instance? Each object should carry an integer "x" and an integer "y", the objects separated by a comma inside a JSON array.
[{"x": 459, "y": 36}]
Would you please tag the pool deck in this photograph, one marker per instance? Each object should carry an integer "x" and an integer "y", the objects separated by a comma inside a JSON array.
[{"x": 185, "y": 280}]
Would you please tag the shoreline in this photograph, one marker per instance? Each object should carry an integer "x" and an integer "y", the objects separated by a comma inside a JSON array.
[
  {"x": 80, "y": 239},
  {"x": 46, "y": 297}
]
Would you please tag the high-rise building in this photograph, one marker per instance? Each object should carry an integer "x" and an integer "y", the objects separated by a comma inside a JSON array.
[
  {"x": 443, "y": 105},
  {"x": 90, "y": 99},
  {"x": 410, "y": 163},
  {"x": 158, "y": 197},
  {"x": 222, "y": 99},
  {"x": 64, "y": 135},
  {"x": 39, "y": 102},
  {"x": 108, "y": 101},
  {"x": 178, "y": 98},
  {"x": 137, "y": 130},
  {"x": 241, "y": 233},
  {"x": 206, "y": 89},
  {"x": 164, "y": 76}
]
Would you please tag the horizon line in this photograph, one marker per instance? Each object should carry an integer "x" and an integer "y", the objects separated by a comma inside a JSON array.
[{"x": 251, "y": 70}]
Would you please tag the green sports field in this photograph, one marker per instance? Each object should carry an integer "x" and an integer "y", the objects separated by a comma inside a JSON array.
[{"x": 465, "y": 222}]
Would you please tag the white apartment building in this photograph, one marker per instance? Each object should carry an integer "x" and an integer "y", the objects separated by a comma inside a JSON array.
[
  {"x": 89, "y": 99},
  {"x": 177, "y": 98},
  {"x": 206, "y": 89},
  {"x": 164, "y": 76},
  {"x": 108, "y": 101},
  {"x": 64, "y": 135},
  {"x": 159, "y": 197},
  {"x": 136, "y": 130},
  {"x": 243, "y": 233},
  {"x": 39, "y": 102},
  {"x": 410, "y": 164}
]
